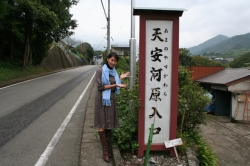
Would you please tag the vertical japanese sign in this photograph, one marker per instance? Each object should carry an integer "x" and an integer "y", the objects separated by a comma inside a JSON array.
[{"x": 159, "y": 36}]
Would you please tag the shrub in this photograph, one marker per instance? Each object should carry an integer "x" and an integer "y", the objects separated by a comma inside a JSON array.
[
  {"x": 191, "y": 103},
  {"x": 126, "y": 135},
  {"x": 127, "y": 104}
]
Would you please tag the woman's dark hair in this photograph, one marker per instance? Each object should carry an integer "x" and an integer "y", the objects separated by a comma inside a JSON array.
[{"x": 113, "y": 54}]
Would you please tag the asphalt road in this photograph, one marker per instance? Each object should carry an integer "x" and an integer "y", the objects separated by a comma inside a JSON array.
[{"x": 32, "y": 112}]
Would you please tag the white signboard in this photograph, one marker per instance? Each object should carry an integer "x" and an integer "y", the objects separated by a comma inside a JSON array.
[
  {"x": 159, "y": 36},
  {"x": 172, "y": 143}
]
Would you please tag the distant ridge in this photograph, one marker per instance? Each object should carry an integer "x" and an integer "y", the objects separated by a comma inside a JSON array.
[
  {"x": 213, "y": 41},
  {"x": 222, "y": 44}
]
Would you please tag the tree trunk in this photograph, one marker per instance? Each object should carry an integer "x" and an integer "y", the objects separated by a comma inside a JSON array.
[
  {"x": 182, "y": 121},
  {"x": 11, "y": 44},
  {"x": 30, "y": 42},
  {"x": 25, "y": 49},
  {"x": 28, "y": 50},
  {"x": 3, "y": 41},
  {"x": 30, "y": 56},
  {"x": 28, "y": 32}
]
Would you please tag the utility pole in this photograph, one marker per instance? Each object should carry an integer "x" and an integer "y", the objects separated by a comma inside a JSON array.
[
  {"x": 132, "y": 19},
  {"x": 108, "y": 29},
  {"x": 108, "y": 25},
  {"x": 132, "y": 44}
]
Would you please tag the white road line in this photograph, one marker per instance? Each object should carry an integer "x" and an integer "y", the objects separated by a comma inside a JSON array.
[
  {"x": 32, "y": 79},
  {"x": 44, "y": 157}
]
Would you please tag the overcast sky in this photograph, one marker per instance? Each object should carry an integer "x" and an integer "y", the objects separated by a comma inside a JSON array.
[{"x": 201, "y": 21}]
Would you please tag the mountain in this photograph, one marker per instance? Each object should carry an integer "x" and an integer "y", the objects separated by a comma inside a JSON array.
[
  {"x": 213, "y": 41},
  {"x": 224, "y": 46}
]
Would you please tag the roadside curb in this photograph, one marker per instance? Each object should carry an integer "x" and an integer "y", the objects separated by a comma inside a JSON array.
[{"x": 192, "y": 158}]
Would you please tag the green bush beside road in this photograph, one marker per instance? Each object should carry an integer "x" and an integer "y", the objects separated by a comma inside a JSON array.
[{"x": 10, "y": 71}]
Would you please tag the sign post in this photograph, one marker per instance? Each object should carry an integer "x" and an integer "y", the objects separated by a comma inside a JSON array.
[{"x": 158, "y": 76}]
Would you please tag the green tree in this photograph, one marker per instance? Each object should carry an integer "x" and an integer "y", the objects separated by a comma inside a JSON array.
[
  {"x": 2, "y": 8},
  {"x": 40, "y": 21},
  {"x": 104, "y": 55},
  {"x": 86, "y": 50},
  {"x": 90, "y": 53},
  {"x": 185, "y": 58},
  {"x": 30, "y": 26},
  {"x": 202, "y": 61},
  {"x": 241, "y": 61}
]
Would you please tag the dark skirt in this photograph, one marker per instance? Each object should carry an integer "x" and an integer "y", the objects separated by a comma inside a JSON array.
[{"x": 105, "y": 116}]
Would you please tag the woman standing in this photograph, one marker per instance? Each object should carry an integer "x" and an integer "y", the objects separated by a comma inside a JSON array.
[{"x": 106, "y": 115}]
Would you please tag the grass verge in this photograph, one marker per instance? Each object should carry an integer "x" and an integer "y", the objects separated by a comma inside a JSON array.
[
  {"x": 206, "y": 155},
  {"x": 11, "y": 71}
]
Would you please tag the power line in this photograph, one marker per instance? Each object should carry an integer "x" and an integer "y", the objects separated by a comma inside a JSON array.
[
  {"x": 99, "y": 44},
  {"x": 104, "y": 10}
]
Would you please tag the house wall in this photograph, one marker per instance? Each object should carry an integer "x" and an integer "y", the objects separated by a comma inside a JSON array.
[
  {"x": 238, "y": 99},
  {"x": 120, "y": 50},
  {"x": 98, "y": 60},
  {"x": 241, "y": 86}
]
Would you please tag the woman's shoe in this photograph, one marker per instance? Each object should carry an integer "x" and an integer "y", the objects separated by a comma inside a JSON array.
[
  {"x": 104, "y": 146},
  {"x": 108, "y": 134}
]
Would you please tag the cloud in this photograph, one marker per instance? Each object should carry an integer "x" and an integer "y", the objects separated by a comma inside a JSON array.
[{"x": 202, "y": 20}]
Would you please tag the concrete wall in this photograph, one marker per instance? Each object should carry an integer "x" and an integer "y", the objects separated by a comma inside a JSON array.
[{"x": 57, "y": 59}]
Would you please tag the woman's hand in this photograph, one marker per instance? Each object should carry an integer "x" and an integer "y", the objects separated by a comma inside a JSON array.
[
  {"x": 121, "y": 85},
  {"x": 124, "y": 75}
]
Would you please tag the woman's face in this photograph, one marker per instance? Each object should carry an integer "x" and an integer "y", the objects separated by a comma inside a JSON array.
[{"x": 112, "y": 62}]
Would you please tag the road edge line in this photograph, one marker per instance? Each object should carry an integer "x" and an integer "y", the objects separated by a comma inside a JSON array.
[{"x": 45, "y": 156}]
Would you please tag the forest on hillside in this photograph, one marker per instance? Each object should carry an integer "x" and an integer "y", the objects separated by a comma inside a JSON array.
[
  {"x": 223, "y": 46},
  {"x": 29, "y": 27},
  {"x": 186, "y": 59}
]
